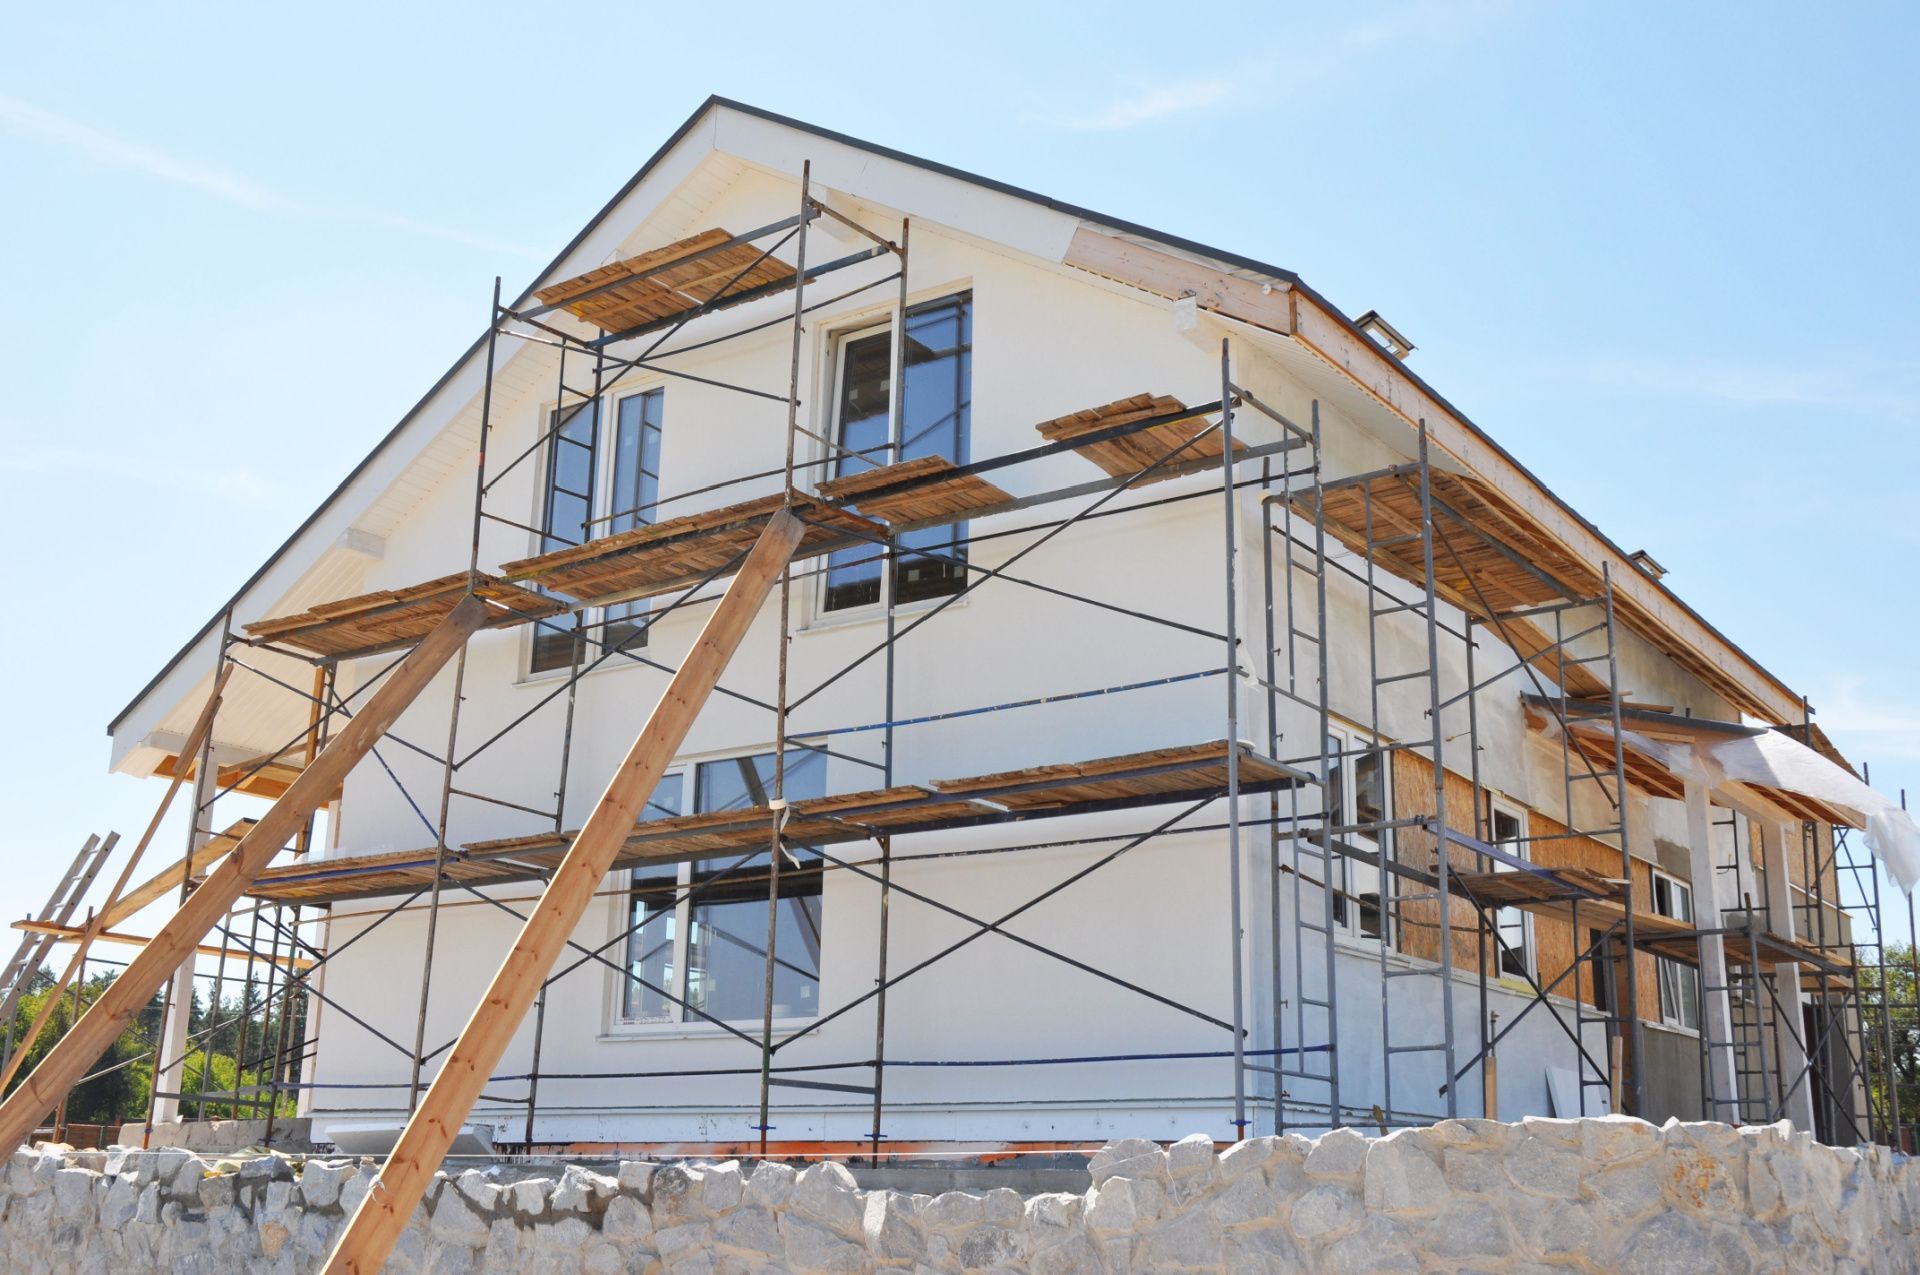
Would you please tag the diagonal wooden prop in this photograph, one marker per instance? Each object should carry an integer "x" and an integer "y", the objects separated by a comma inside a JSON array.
[
  {"x": 383, "y": 1214},
  {"x": 67, "y": 1061}
]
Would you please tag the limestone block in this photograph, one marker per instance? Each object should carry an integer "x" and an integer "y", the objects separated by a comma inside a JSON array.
[
  {"x": 1054, "y": 1210},
  {"x": 891, "y": 1227},
  {"x": 1676, "y": 1244},
  {"x": 1110, "y": 1207},
  {"x": 1381, "y": 1244},
  {"x": 1247, "y": 1201},
  {"x": 1339, "y": 1153},
  {"x": 583, "y": 1191},
  {"x": 811, "y": 1247},
  {"x": 1191, "y": 1240},
  {"x": 1401, "y": 1177},
  {"x": 770, "y": 1184},
  {"x": 1246, "y": 1157},
  {"x": 1465, "y": 1230},
  {"x": 750, "y": 1228},
  {"x": 73, "y": 1194},
  {"x": 1073, "y": 1255},
  {"x": 724, "y": 1186},
  {"x": 626, "y": 1218},
  {"x": 953, "y": 1211},
  {"x": 320, "y": 1182},
  {"x": 1547, "y": 1164},
  {"x": 529, "y": 1197},
  {"x": 635, "y": 1176},
  {"x": 677, "y": 1191},
  {"x": 826, "y": 1193},
  {"x": 1327, "y": 1210}
]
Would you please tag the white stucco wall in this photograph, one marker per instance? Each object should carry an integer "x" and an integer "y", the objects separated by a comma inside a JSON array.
[{"x": 1046, "y": 341}]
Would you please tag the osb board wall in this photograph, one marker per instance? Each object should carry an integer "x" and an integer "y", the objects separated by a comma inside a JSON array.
[{"x": 1553, "y": 939}]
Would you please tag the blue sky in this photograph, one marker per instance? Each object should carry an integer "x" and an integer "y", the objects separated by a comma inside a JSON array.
[{"x": 1663, "y": 253}]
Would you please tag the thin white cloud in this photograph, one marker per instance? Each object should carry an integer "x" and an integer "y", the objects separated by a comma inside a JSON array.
[
  {"x": 1867, "y": 724},
  {"x": 1311, "y": 57},
  {"x": 1148, "y": 106},
  {"x": 136, "y": 157},
  {"x": 120, "y": 153},
  {"x": 234, "y": 485}
]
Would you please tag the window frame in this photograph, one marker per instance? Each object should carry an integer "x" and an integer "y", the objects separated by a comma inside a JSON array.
[
  {"x": 1497, "y": 806},
  {"x": 605, "y": 451},
  {"x": 1353, "y": 744},
  {"x": 679, "y": 1020},
  {"x": 833, "y": 377},
  {"x": 1665, "y": 968}
]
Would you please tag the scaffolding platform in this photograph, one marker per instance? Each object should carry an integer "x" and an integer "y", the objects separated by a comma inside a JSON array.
[
  {"x": 665, "y": 556},
  {"x": 701, "y": 271},
  {"x": 388, "y": 619},
  {"x": 912, "y": 490},
  {"x": 1161, "y": 776},
  {"x": 1127, "y": 454}
]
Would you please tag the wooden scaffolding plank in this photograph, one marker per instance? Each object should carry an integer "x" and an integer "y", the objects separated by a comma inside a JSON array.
[
  {"x": 390, "y": 618},
  {"x": 924, "y": 487},
  {"x": 377, "y": 1223},
  {"x": 666, "y": 282},
  {"x": 202, "y": 910},
  {"x": 1177, "y": 773},
  {"x": 1127, "y": 455},
  {"x": 666, "y": 556}
]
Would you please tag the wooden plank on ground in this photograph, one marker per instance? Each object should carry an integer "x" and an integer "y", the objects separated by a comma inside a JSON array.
[
  {"x": 383, "y": 1213},
  {"x": 21, "y": 1113}
]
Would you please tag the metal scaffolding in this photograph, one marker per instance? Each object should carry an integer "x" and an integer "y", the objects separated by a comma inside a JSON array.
[{"x": 1372, "y": 847}]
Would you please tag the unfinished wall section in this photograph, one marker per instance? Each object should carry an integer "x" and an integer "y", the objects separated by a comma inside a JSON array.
[{"x": 1606, "y": 1194}]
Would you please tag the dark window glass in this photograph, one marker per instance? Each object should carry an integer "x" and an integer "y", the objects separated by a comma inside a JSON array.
[
  {"x": 652, "y": 911},
  {"x": 935, "y": 416},
  {"x": 727, "y": 924},
  {"x": 636, "y": 486},
  {"x": 566, "y": 512}
]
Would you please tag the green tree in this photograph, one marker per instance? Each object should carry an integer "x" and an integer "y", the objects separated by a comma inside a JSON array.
[{"x": 1891, "y": 1024}]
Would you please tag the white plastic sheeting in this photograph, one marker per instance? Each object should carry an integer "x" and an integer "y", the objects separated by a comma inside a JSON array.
[{"x": 1769, "y": 759}]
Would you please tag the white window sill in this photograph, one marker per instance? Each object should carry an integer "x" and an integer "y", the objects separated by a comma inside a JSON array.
[{"x": 697, "y": 1030}]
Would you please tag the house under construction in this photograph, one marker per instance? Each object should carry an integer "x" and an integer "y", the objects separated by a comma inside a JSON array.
[{"x": 862, "y": 660}]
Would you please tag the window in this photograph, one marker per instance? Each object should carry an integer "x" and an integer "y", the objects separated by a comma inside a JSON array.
[
  {"x": 1512, "y": 928},
  {"x": 1362, "y": 806},
  {"x": 700, "y": 930},
  {"x": 566, "y": 510},
  {"x": 1679, "y": 982},
  {"x": 578, "y": 481},
  {"x": 634, "y": 487},
  {"x": 936, "y": 409}
]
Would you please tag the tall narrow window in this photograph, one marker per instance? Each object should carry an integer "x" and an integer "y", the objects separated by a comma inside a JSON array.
[
  {"x": 1679, "y": 982},
  {"x": 1359, "y": 808},
  {"x": 566, "y": 510},
  {"x": 698, "y": 932},
  {"x": 935, "y": 415},
  {"x": 1509, "y": 829},
  {"x": 634, "y": 488},
  {"x": 653, "y": 912}
]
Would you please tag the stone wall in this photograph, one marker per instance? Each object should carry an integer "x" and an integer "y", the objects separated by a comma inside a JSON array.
[{"x": 1609, "y": 1194}]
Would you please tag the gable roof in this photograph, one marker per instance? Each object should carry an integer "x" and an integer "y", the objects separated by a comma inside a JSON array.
[{"x": 1120, "y": 226}]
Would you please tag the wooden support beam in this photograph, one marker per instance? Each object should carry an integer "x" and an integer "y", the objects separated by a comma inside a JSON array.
[
  {"x": 383, "y": 1213},
  {"x": 167, "y": 881},
  {"x": 74, "y": 933},
  {"x": 96, "y": 925},
  {"x": 20, "y": 1114}
]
